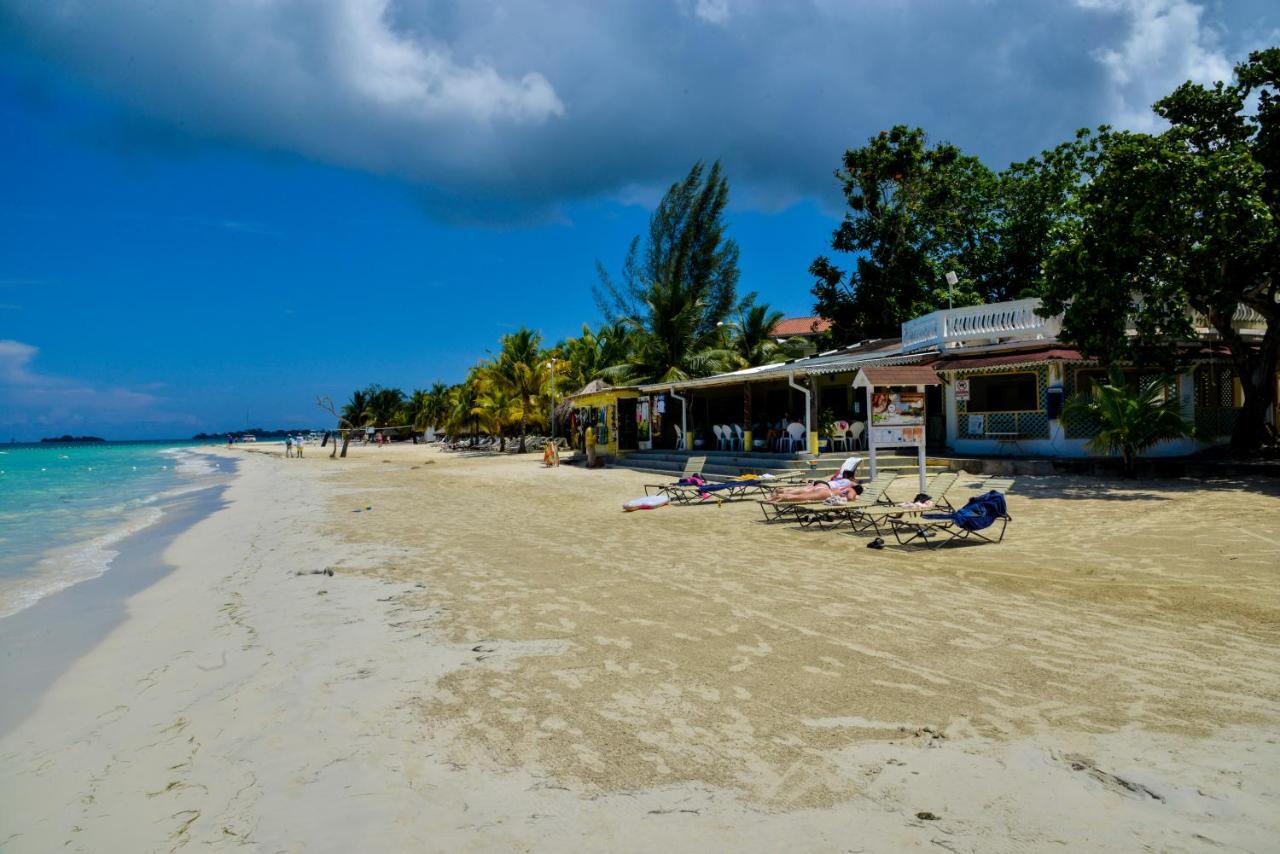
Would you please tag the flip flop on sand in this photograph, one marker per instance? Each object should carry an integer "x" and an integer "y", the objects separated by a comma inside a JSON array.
[{"x": 877, "y": 543}]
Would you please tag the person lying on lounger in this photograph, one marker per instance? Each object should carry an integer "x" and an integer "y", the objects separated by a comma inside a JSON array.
[{"x": 843, "y": 485}]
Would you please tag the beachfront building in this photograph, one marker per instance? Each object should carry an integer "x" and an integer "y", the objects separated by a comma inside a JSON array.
[
  {"x": 802, "y": 332},
  {"x": 994, "y": 380}
]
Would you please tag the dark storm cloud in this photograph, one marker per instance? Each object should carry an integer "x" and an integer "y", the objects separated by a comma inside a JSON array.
[{"x": 501, "y": 111}]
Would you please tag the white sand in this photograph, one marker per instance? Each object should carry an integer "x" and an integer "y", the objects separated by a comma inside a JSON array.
[{"x": 437, "y": 693}]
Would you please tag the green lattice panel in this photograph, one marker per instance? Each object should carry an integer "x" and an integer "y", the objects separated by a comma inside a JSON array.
[
  {"x": 1033, "y": 425},
  {"x": 1029, "y": 424}
]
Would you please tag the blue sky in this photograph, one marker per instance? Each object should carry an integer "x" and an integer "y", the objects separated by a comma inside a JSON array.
[{"x": 190, "y": 231}]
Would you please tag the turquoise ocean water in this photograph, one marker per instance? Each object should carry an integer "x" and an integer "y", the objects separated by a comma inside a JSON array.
[{"x": 64, "y": 507}]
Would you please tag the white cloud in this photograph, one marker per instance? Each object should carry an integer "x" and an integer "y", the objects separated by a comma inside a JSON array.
[
  {"x": 1168, "y": 43},
  {"x": 503, "y": 111},
  {"x": 712, "y": 11},
  {"x": 29, "y": 398}
]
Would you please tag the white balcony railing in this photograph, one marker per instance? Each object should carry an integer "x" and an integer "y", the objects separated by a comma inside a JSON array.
[
  {"x": 1017, "y": 321},
  {"x": 979, "y": 324},
  {"x": 1246, "y": 320}
]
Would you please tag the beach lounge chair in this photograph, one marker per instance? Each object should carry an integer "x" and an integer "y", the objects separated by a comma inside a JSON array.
[
  {"x": 935, "y": 530},
  {"x": 878, "y": 515},
  {"x": 679, "y": 492},
  {"x": 823, "y": 515},
  {"x": 815, "y": 512}
]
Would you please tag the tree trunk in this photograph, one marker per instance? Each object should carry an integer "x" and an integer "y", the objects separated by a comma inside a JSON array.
[
  {"x": 346, "y": 440},
  {"x": 1257, "y": 372},
  {"x": 520, "y": 450}
]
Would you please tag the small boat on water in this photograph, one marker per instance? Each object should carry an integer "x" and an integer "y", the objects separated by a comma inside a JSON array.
[{"x": 248, "y": 437}]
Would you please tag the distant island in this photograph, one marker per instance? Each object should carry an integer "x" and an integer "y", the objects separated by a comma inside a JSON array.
[
  {"x": 256, "y": 432},
  {"x": 73, "y": 440}
]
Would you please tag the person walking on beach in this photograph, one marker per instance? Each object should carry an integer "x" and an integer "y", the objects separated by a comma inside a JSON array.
[
  {"x": 288, "y": 446},
  {"x": 297, "y": 445}
]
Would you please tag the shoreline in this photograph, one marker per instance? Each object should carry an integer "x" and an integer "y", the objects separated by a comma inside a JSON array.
[
  {"x": 433, "y": 693},
  {"x": 41, "y": 640}
]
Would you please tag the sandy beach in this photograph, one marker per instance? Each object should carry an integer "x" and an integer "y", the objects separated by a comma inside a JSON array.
[{"x": 490, "y": 655}]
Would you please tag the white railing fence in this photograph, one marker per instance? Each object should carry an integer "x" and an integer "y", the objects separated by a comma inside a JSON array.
[{"x": 974, "y": 324}]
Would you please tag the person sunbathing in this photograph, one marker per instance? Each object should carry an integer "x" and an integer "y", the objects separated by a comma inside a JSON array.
[
  {"x": 842, "y": 485},
  {"x": 819, "y": 490}
]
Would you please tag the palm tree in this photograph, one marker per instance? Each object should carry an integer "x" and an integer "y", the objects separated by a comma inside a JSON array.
[
  {"x": 670, "y": 341},
  {"x": 411, "y": 411},
  {"x": 751, "y": 340},
  {"x": 497, "y": 410},
  {"x": 1131, "y": 419},
  {"x": 460, "y": 414},
  {"x": 384, "y": 405},
  {"x": 434, "y": 409},
  {"x": 521, "y": 368},
  {"x": 356, "y": 410}
]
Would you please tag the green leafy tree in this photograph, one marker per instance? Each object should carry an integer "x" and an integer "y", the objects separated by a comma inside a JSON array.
[
  {"x": 677, "y": 284},
  {"x": 496, "y": 409},
  {"x": 751, "y": 341},
  {"x": 1186, "y": 220},
  {"x": 1131, "y": 420},
  {"x": 915, "y": 212},
  {"x": 384, "y": 406},
  {"x": 355, "y": 412},
  {"x": 460, "y": 416},
  {"x": 521, "y": 368},
  {"x": 434, "y": 408}
]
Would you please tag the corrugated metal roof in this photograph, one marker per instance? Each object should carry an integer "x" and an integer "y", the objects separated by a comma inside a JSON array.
[{"x": 845, "y": 360}]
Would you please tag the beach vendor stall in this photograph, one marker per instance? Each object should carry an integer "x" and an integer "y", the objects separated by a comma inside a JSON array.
[{"x": 897, "y": 416}]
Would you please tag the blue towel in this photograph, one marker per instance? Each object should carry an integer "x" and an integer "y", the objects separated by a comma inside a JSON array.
[
  {"x": 716, "y": 487},
  {"x": 980, "y": 512}
]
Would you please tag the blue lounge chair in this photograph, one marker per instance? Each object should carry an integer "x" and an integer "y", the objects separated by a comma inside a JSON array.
[{"x": 970, "y": 522}]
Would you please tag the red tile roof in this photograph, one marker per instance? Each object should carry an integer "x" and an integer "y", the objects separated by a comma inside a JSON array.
[
  {"x": 789, "y": 326},
  {"x": 902, "y": 375}
]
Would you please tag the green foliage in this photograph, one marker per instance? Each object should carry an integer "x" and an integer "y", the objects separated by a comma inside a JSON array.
[
  {"x": 384, "y": 409},
  {"x": 520, "y": 370},
  {"x": 1131, "y": 420},
  {"x": 915, "y": 212},
  {"x": 1188, "y": 219},
  {"x": 355, "y": 412},
  {"x": 676, "y": 286},
  {"x": 750, "y": 339}
]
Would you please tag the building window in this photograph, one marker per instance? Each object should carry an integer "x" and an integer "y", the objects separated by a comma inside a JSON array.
[{"x": 1003, "y": 393}]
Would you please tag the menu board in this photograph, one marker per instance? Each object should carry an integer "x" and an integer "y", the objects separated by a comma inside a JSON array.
[
  {"x": 897, "y": 408},
  {"x": 897, "y": 437}
]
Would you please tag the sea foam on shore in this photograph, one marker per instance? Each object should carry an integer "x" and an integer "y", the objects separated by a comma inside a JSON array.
[{"x": 63, "y": 509}]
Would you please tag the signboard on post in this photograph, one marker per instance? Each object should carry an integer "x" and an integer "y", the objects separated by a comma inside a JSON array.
[
  {"x": 897, "y": 416},
  {"x": 891, "y": 407},
  {"x": 962, "y": 391}
]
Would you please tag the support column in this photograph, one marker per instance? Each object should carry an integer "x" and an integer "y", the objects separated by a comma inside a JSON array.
[
  {"x": 813, "y": 416},
  {"x": 688, "y": 408},
  {"x": 747, "y": 438}
]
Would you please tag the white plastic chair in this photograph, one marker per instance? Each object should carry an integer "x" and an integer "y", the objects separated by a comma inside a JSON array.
[
  {"x": 839, "y": 436},
  {"x": 857, "y": 441},
  {"x": 795, "y": 436},
  {"x": 739, "y": 436},
  {"x": 721, "y": 440}
]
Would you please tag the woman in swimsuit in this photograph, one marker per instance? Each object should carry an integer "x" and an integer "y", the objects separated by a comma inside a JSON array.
[{"x": 843, "y": 484}]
